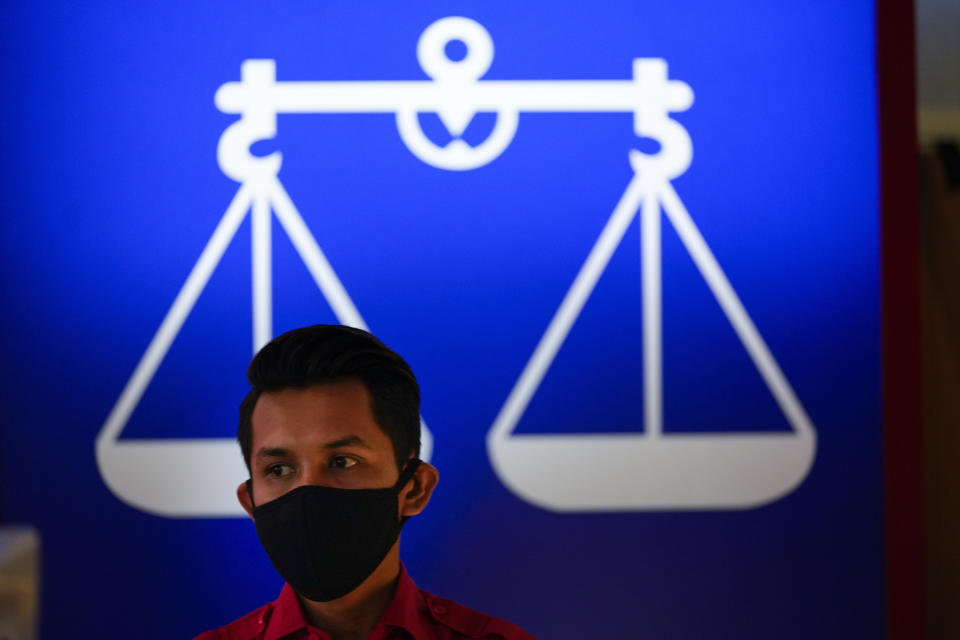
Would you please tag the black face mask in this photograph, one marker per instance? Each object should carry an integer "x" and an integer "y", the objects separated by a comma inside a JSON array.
[{"x": 326, "y": 541}]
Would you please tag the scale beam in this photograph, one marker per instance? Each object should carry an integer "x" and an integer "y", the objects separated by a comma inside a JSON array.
[
  {"x": 456, "y": 93},
  {"x": 544, "y": 96}
]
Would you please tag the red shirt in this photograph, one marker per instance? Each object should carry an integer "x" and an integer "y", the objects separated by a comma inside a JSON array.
[{"x": 412, "y": 614}]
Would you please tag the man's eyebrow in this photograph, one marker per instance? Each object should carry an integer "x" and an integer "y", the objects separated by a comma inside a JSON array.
[
  {"x": 281, "y": 452},
  {"x": 273, "y": 452},
  {"x": 348, "y": 441}
]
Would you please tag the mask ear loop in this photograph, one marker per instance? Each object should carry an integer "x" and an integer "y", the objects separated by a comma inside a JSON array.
[
  {"x": 250, "y": 492},
  {"x": 408, "y": 470},
  {"x": 402, "y": 481}
]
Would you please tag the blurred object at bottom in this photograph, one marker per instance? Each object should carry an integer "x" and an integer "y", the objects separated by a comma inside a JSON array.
[{"x": 19, "y": 582}]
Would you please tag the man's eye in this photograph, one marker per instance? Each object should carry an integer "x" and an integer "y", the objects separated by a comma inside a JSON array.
[
  {"x": 279, "y": 470},
  {"x": 342, "y": 462}
]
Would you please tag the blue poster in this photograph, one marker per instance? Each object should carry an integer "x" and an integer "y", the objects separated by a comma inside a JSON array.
[{"x": 630, "y": 251}]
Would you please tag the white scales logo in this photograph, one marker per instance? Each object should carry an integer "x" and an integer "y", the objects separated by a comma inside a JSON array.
[{"x": 629, "y": 472}]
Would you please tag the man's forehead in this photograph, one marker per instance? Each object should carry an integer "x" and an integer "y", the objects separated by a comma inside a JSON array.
[
  {"x": 342, "y": 400},
  {"x": 322, "y": 416},
  {"x": 346, "y": 389}
]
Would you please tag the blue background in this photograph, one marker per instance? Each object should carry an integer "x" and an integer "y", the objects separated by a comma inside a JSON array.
[{"x": 110, "y": 190}]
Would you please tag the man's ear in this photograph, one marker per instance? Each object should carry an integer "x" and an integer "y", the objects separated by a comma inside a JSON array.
[
  {"x": 415, "y": 496},
  {"x": 243, "y": 495}
]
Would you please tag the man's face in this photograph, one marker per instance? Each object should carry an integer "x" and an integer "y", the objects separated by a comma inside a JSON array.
[{"x": 321, "y": 435}]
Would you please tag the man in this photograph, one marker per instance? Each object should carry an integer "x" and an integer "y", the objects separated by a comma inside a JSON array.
[{"x": 330, "y": 432}]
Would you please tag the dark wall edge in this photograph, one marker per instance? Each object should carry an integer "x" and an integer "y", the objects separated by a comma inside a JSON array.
[{"x": 901, "y": 319}]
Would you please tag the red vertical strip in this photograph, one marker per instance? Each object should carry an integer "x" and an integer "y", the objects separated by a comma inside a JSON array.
[{"x": 901, "y": 320}]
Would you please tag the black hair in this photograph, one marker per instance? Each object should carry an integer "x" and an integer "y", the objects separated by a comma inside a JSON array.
[{"x": 324, "y": 354}]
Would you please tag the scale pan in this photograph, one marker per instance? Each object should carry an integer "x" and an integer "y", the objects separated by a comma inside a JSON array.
[{"x": 616, "y": 472}]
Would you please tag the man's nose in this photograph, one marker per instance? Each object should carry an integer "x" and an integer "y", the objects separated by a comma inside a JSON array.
[{"x": 314, "y": 472}]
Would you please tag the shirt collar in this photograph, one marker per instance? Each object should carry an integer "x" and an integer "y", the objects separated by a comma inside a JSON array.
[
  {"x": 407, "y": 610},
  {"x": 287, "y": 617}
]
